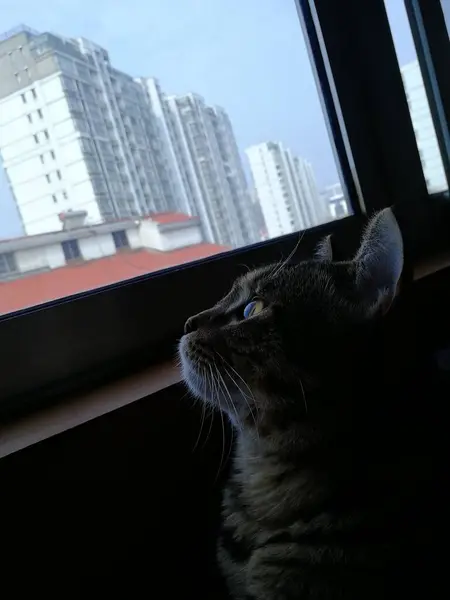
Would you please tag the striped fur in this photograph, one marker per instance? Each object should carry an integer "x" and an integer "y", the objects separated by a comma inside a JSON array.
[{"x": 329, "y": 490}]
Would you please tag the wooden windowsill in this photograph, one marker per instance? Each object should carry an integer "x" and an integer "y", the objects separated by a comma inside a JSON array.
[{"x": 43, "y": 424}]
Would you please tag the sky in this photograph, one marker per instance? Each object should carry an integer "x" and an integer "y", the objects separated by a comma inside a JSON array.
[{"x": 248, "y": 56}]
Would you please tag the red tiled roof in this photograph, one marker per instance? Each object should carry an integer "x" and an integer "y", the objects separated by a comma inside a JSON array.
[{"x": 42, "y": 287}]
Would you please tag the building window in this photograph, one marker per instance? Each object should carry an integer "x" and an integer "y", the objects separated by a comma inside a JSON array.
[
  {"x": 7, "y": 263},
  {"x": 33, "y": 93},
  {"x": 64, "y": 195},
  {"x": 30, "y": 118},
  {"x": 36, "y": 139},
  {"x": 41, "y": 156},
  {"x": 54, "y": 198},
  {"x": 120, "y": 239},
  {"x": 24, "y": 100},
  {"x": 39, "y": 112},
  {"x": 52, "y": 154},
  {"x": 47, "y": 177},
  {"x": 47, "y": 137},
  {"x": 71, "y": 249},
  {"x": 58, "y": 174}
]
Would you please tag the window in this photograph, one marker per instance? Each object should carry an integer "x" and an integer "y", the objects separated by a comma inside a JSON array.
[
  {"x": 47, "y": 137},
  {"x": 39, "y": 112},
  {"x": 52, "y": 154},
  {"x": 120, "y": 239},
  {"x": 36, "y": 138},
  {"x": 71, "y": 250},
  {"x": 64, "y": 194},
  {"x": 33, "y": 93},
  {"x": 41, "y": 156},
  {"x": 47, "y": 177},
  {"x": 54, "y": 198},
  {"x": 24, "y": 100},
  {"x": 286, "y": 126},
  {"x": 416, "y": 93},
  {"x": 7, "y": 264},
  {"x": 30, "y": 118},
  {"x": 58, "y": 174}
]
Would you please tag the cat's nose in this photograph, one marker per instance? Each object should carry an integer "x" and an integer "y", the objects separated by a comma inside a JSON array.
[{"x": 191, "y": 324}]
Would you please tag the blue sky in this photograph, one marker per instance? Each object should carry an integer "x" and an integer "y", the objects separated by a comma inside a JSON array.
[{"x": 248, "y": 56}]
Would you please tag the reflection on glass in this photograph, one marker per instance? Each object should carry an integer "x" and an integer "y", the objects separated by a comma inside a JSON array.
[
  {"x": 417, "y": 99},
  {"x": 125, "y": 153}
]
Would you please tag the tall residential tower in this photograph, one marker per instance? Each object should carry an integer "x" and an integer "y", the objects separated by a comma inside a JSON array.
[{"x": 286, "y": 189}]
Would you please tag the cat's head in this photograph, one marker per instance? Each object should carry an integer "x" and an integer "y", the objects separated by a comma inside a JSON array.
[{"x": 284, "y": 329}]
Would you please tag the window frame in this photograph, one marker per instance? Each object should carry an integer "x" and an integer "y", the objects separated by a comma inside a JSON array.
[
  {"x": 119, "y": 237},
  {"x": 68, "y": 250},
  {"x": 431, "y": 39},
  {"x": 74, "y": 343}
]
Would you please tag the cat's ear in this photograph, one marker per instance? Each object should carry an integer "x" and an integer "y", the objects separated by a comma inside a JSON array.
[
  {"x": 324, "y": 250},
  {"x": 379, "y": 261}
]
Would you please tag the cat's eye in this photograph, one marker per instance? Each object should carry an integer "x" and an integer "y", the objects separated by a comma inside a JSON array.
[{"x": 253, "y": 308}]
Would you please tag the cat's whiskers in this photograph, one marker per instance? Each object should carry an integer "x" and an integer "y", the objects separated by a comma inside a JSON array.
[
  {"x": 304, "y": 394},
  {"x": 208, "y": 405},
  {"x": 230, "y": 447},
  {"x": 222, "y": 455},
  {"x": 280, "y": 266},
  {"x": 244, "y": 395},
  {"x": 230, "y": 397},
  {"x": 202, "y": 422}
]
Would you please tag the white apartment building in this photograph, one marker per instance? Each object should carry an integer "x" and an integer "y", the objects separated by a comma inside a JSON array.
[
  {"x": 75, "y": 133},
  {"x": 286, "y": 189},
  {"x": 423, "y": 127},
  {"x": 205, "y": 165},
  {"x": 333, "y": 197}
]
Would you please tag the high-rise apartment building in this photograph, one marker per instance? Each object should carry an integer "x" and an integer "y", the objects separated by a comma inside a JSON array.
[
  {"x": 286, "y": 189},
  {"x": 333, "y": 197},
  {"x": 78, "y": 134},
  {"x": 205, "y": 164},
  {"x": 75, "y": 133},
  {"x": 423, "y": 127}
]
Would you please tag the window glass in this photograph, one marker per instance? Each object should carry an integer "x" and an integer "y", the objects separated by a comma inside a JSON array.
[
  {"x": 416, "y": 96},
  {"x": 71, "y": 249},
  {"x": 195, "y": 160},
  {"x": 120, "y": 239}
]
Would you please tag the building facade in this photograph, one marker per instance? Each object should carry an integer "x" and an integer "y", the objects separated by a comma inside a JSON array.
[
  {"x": 79, "y": 257},
  {"x": 286, "y": 189},
  {"x": 423, "y": 128},
  {"x": 205, "y": 164},
  {"x": 78, "y": 134},
  {"x": 333, "y": 197},
  {"x": 75, "y": 133}
]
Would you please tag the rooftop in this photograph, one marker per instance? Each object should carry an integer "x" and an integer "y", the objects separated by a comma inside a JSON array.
[
  {"x": 167, "y": 220},
  {"x": 72, "y": 279}
]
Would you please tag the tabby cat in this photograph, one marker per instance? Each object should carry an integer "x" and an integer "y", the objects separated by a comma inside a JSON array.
[{"x": 323, "y": 500}]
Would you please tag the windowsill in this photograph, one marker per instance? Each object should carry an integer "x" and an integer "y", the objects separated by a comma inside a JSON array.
[{"x": 43, "y": 424}]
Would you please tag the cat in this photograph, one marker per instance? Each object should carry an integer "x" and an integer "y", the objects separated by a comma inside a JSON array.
[{"x": 324, "y": 496}]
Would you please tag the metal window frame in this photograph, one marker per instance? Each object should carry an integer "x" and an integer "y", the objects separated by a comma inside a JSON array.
[
  {"x": 431, "y": 39},
  {"x": 74, "y": 343}
]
